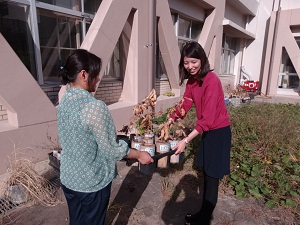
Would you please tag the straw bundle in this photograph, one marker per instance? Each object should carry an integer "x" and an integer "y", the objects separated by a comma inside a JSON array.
[{"x": 38, "y": 188}]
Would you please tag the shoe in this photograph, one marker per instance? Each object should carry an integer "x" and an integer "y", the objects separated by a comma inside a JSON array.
[
  {"x": 192, "y": 223},
  {"x": 196, "y": 219},
  {"x": 191, "y": 218}
]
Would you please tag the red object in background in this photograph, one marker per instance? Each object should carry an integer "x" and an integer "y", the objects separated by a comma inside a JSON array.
[{"x": 250, "y": 85}]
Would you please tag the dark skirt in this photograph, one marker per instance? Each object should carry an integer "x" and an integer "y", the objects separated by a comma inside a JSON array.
[{"x": 214, "y": 152}]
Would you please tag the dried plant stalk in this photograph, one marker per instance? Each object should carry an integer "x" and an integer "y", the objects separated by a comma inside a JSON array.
[
  {"x": 164, "y": 129},
  {"x": 144, "y": 112}
]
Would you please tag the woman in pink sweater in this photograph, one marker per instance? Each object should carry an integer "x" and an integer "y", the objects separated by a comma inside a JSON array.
[{"x": 204, "y": 91}]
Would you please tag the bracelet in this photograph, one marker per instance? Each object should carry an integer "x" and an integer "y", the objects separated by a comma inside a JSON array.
[{"x": 186, "y": 141}]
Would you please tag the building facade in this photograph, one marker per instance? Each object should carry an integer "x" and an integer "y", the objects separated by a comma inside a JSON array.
[{"x": 139, "y": 42}]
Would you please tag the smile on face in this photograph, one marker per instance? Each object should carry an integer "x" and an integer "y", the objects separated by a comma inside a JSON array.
[{"x": 192, "y": 65}]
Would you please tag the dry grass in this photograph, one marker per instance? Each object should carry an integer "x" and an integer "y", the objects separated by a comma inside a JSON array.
[
  {"x": 114, "y": 208},
  {"x": 167, "y": 187},
  {"x": 37, "y": 188}
]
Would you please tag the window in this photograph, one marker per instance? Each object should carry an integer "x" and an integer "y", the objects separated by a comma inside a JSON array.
[
  {"x": 69, "y": 4},
  {"x": 288, "y": 78},
  {"x": 59, "y": 35},
  {"x": 186, "y": 30},
  {"x": 15, "y": 28},
  {"x": 228, "y": 54},
  {"x": 112, "y": 71},
  {"x": 298, "y": 40},
  {"x": 91, "y": 6},
  {"x": 161, "y": 71}
]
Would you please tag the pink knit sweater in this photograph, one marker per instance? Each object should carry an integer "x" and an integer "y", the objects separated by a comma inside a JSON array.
[{"x": 209, "y": 102}]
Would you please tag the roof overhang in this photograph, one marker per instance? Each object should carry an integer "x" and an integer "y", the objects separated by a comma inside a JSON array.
[
  {"x": 245, "y": 6},
  {"x": 235, "y": 30}
]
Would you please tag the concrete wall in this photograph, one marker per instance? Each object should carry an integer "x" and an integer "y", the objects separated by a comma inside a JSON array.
[
  {"x": 290, "y": 4},
  {"x": 132, "y": 23},
  {"x": 187, "y": 8},
  {"x": 30, "y": 113},
  {"x": 3, "y": 113},
  {"x": 284, "y": 39},
  {"x": 31, "y": 116},
  {"x": 253, "y": 54},
  {"x": 233, "y": 14}
]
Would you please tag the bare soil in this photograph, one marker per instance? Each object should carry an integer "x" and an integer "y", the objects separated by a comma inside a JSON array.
[{"x": 161, "y": 198}]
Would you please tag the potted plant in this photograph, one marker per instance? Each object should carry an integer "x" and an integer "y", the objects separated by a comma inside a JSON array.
[
  {"x": 169, "y": 135},
  {"x": 141, "y": 123},
  {"x": 55, "y": 154},
  {"x": 238, "y": 95}
]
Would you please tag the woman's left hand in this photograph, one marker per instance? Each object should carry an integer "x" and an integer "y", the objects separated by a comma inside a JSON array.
[{"x": 145, "y": 157}]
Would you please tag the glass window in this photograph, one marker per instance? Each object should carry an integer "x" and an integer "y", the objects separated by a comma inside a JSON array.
[
  {"x": 184, "y": 28},
  {"x": 15, "y": 29},
  {"x": 58, "y": 35},
  {"x": 91, "y": 6},
  {"x": 298, "y": 41},
  {"x": 112, "y": 70},
  {"x": 288, "y": 78},
  {"x": 196, "y": 29},
  {"x": 161, "y": 71},
  {"x": 69, "y": 4},
  {"x": 174, "y": 19},
  {"x": 228, "y": 54}
]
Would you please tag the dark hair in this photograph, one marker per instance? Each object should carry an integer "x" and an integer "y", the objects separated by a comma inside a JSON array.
[
  {"x": 80, "y": 59},
  {"x": 193, "y": 50}
]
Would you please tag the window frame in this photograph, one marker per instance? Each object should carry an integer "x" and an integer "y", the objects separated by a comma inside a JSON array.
[
  {"x": 232, "y": 51},
  {"x": 180, "y": 39}
]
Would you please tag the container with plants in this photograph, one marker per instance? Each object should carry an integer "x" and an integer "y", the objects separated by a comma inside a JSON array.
[
  {"x": 168, "y": 134},
  {"x": 140, "y": 127},
  {"x": 151, "y": 132},
  {"x": 55, "y": 152},
  {"x": 237, "y": 95}
]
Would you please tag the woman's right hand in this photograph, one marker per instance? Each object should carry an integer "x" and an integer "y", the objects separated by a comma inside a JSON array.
[
  {"x": 179, "y": 147},
  {"x": 145, "y": 157},
  {"x": 170, "y": 121}
]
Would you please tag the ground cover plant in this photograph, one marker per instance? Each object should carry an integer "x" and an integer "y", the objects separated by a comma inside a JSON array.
[{"x": 265, "y": 153}]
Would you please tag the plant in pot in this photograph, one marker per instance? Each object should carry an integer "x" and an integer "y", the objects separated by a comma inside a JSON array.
[
  {"x": 143, "y": 114},
  {"x": 55, "y": 154},
  {"x": 237, "y": 95},
  {"x": 141, "y": 123},
  {"x": 168, "y": 134}
]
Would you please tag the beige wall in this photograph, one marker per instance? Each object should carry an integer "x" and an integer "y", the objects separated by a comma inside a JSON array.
[
  {"x": 233, "y": 14},
  {"x": 31, "y": 115},
  {"x": 133, "y": 25},
  {"x": 254, "y": 51},
  {"x": 284, "y": 39},
  {"x": 188, "y": 8},
  {"x": 3, "y": 113},
  {"x": 29, "y": 110}
]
